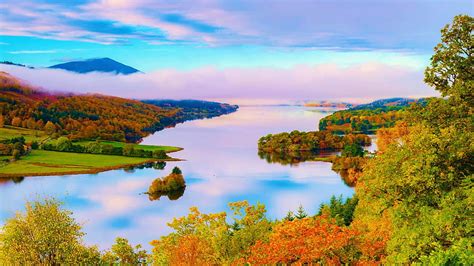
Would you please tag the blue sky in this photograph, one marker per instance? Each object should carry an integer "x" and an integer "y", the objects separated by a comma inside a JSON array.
[{"x": 187, "y": 35}]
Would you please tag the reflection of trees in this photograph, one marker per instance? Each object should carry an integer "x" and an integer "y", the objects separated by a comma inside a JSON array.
[
  {"x": 349, "y": 168},
  {"x": 16, "y": 180},
  {"x": 172, "y": 195},
  {"x": 154, "y": 165},
  {"x": 294, "y": 157}
]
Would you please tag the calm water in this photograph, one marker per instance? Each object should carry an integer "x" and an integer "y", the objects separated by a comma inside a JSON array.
[{"x": 221, "y": 166}]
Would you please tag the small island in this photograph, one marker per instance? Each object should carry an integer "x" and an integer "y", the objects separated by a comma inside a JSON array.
[
  {"x": 172, "y": 185},
  {"x": 314, "y": 141}
]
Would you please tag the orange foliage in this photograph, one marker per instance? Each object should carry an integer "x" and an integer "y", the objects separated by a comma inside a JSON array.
[
  {"x": 307, "y": 240},
  {"x": 190, "y": 250},
  {"x": 388, "y": 136},
  {"x": 80, "y": 116}
]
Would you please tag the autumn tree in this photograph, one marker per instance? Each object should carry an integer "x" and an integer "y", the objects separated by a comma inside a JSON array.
[
  {"x": 415, "y": 196},
  {"x": 45, "y": 235},
  {"x": 306, "y": 241},
  {"x": 452, "y": 66},
  {"x": 122, "y": 252},
  {"x": 2, "y": 121},
  {"x": 16, "y": 122},
  {"x": 49, "y": 128}
]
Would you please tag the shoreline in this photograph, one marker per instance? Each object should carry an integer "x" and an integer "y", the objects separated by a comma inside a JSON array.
[{"x": 91, "y": 171}]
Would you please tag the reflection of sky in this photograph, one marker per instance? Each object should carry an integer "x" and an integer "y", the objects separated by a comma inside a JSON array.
[{"x": 221, "y": 166}]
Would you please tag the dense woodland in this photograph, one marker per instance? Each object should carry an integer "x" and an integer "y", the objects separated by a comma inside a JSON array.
[
  {"x": 193, "y": 109},
  {"x": 93, "y": 116},
  {"x": 413, "y": 201},
  {"x": 309, "y": 141},
  {"x": 367, "y": 118}
]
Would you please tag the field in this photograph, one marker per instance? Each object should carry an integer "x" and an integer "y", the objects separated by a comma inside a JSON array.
[
  {"x": 136, "y": 146},
  {"x": 9, "y": 132},
  {"x": 40, "y": 162}
]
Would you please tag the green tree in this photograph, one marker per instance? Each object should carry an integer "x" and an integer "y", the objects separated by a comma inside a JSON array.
[
  {"x": 342, "y": 211},
  {"x": 63, "y": 144},
  {"x": 353, "y": 150},
  {"x": 125, "y": 254},
  {"x": 176, "y": 171},
  {"x": 16, "y": 154},
  {"x": 44, "y": 235},
  {"x": 300, "y": 213},
  {"x": 452, "y": 66},
  {"x": 49, "y": 128}
]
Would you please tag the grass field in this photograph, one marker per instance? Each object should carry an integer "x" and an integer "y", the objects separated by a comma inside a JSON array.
[
  {"x": 40, "y": 162},
  {"x": 9, "y": 132},
  {"x": 136, "y": 146}
]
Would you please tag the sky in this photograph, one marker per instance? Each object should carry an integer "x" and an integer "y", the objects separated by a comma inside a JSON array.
[{"x": 238, "y": 50}]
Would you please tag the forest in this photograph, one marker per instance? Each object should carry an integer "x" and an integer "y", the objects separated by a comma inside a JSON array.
[
  {"x": 413, "y": 200},
  {"x": 367, "y": 118},
  {"x": 309, "y": 141},
  {"x": 94, "y": 116}
]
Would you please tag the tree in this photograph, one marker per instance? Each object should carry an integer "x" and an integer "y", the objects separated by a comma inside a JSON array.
[
  {"x": 16, "y": 122},
  {"x": 306, "y": 241},
  {"x": 16, "y": 154},
  {"x": 49, "y": 128},
  {"x": 63, "y": 144},
  {"x": 31, "y": 123},
  {"x": 47, "y": 235},
  {"x": 353, "y": 150},
  {"x": 451, "y": 71},
  {"x": 159, "y": 154},
  {"x": 2, "y": 121},
  {"x": 176, "y": 171},
  {"x": 123, "y": 253},
  {"x": 128, "y": 150},
  {"x": 301, "y": 213}
]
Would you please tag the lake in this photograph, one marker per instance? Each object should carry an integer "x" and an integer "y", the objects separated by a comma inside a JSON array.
[{"x": 221, "y": 166}]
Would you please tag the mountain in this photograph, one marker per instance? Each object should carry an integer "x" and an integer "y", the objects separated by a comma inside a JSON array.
[{"x": 97, "y": 65}]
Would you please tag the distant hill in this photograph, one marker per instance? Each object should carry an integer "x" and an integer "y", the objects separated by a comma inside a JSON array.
[
  {"x": 94, "y": 116},
  {"x": 367, "y": 118},
  {"x": 399, "y": 102},
  {"x": 15, "y": 64},
  {"x": 194, "y": 109},
  {"x": 97, "y": 65}
]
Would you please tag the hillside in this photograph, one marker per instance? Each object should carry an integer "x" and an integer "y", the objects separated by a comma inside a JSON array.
[
  {"x": 194, "y": 109},
  {"x": 93, "y": 116},
  {"x": 367, "y": 118},
  {"x": 97, "y": 65},
  {"x": 390, "y": 102}
]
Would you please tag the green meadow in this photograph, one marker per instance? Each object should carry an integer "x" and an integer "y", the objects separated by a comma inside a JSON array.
[
  {"x": 8, "y": 132},
  {"x": 135, "y": 146},
  {"x": 40, "y": 162},
  {"x": 43, "y": 163}
]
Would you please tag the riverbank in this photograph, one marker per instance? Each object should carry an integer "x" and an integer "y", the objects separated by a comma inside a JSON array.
[{"x": 52, "y": 163}]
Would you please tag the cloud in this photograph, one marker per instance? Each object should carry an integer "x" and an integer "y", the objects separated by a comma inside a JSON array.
[
  {"x": 341, "y": 24},
  {"x": 324, "y": 81},
  {"x": 34, "y": 52}
]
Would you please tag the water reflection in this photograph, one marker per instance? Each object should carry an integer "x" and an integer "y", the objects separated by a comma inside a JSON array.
[
  {"x": 172, "y": 195},
  {"x": 16, "y": 180},
  {"x": 154, "y": 165},
  {"x": 294, "y": 158},
  {"x": 221, "y": 166}
]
